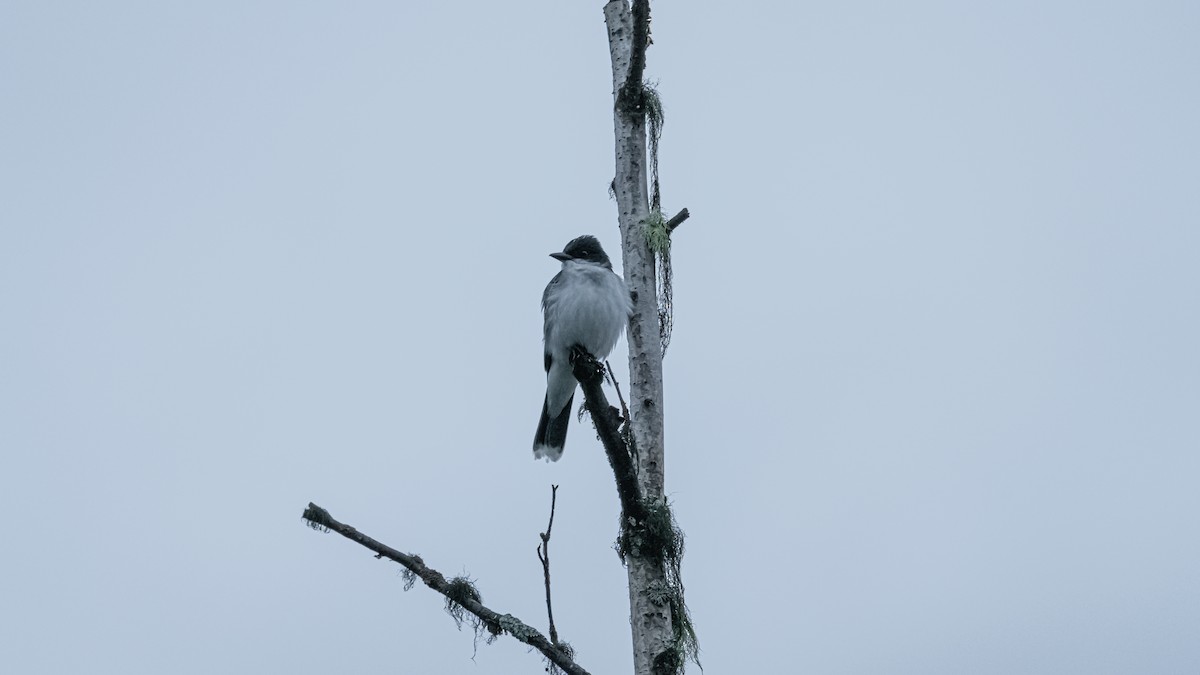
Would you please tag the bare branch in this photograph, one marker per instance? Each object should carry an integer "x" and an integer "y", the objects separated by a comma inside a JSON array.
[
  {"x": 590, "y": 374},
  {"x": 496, "y": 623},
  {"x": 544, "y": 556}
]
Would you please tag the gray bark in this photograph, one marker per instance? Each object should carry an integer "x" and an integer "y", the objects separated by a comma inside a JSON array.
[{"x": 650, "y": 623}]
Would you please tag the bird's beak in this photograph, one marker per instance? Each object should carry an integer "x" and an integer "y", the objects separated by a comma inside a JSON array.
[{"x": 563, "y": 257}]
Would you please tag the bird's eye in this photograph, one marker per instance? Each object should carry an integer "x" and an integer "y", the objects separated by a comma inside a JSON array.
[{"x": 585, "y": 252}]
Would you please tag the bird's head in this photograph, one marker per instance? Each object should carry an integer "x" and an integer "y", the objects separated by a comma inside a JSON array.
[{"x": 584, "y": 249}]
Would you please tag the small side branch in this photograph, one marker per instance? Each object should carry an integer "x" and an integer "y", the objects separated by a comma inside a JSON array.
[
  {"x": 496, "y": 623},
  {"x": 677, "y": 220},
  {"x": 543, "y": 554},
  {"x": 590, "y": 374}
]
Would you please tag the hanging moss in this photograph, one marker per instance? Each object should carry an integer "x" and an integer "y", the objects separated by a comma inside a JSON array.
[
  {"x": 657, "y": 235},
  {"x": 685, "y": 643},
  {"x": 658, "y": 238},
  {"x": 460, "y": 590},
  {"x": 410, "y": 578},
  {"x": 566, "y": 648},
  {"x": 652, "y": 103},
  {"x": 659, "y": 538}
]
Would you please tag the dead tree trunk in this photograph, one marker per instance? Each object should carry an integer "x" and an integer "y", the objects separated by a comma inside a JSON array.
[{"x": 656, "y": 645}]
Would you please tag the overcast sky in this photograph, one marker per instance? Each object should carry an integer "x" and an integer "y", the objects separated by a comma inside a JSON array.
[{"x": 933, "y": 399}]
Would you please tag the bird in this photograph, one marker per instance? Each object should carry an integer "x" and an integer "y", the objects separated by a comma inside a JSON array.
[{"x": 586, "y": 306}]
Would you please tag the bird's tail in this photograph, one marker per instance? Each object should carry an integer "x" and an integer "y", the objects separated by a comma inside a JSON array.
[{"x": 552, "y": 432}]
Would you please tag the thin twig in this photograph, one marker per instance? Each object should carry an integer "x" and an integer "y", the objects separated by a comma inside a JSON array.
[
  {"x": 617, "y": 385},
  {"x": 320, "y": 518},
  {"x": 543, "y": 554}
]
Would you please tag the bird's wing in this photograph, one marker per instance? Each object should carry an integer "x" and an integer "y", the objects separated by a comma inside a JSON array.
[{"x": 549, "y": 299}]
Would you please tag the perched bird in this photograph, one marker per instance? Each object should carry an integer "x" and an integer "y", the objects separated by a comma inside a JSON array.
[{"x": 586, "y": 305}]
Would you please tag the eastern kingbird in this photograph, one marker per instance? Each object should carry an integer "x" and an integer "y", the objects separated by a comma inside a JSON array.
[{"x": 586, "y": 304}]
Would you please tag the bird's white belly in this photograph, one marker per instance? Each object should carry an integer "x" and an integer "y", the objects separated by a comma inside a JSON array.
[{"x": 592, "y": 316}]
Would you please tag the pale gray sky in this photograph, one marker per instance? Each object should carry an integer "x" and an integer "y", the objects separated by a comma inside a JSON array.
[{"x": 932, "y": 400}]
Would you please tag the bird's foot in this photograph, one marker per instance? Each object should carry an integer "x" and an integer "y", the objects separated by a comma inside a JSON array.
[
  {"x": 582, "y": 358},
  {"x": 577, "y": 353}
]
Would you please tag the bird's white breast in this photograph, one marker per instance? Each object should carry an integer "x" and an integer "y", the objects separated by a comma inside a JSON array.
[{"x": 588, "y": 307}]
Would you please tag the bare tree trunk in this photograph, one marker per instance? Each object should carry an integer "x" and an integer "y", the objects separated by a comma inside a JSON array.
[{"x": 628, "y": 36}]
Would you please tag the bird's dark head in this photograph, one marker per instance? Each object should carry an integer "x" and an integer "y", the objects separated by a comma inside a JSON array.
[{"x": 586, "y": 249}]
